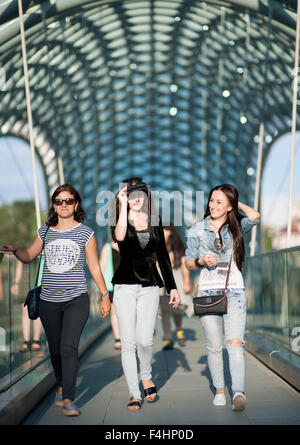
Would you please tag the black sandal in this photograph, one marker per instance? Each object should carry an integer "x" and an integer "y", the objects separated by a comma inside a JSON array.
[
  {"x": 149, "y": 392},
  {"x": 25, "y": 346},
  {"x": 131, "y": 406},
  {"x": 37, "y": 343}
]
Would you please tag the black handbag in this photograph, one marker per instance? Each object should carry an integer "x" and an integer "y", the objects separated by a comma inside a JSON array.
[
  {"x": 33, "y": 296},
  {"x": 212, "y": 304}
]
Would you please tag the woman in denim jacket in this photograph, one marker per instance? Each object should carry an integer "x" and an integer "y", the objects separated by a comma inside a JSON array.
[{"x": 210, "y": 245}]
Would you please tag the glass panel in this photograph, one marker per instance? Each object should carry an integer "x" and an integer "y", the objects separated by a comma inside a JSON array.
[
  {"x": 280, "y": 330},
  {"x": 293, "y": 283},
  {"x": 272, "y": 284},
  {"x": 16, "y": 279},
  {"x": 4, "y": 321}
]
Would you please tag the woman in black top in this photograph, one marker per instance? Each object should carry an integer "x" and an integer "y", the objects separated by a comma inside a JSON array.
[{"x": 136, "y": 282}]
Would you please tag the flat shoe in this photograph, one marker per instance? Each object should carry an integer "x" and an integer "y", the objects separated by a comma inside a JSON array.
[
  {"x": 134, "y": 405},
  {"x": 36, "y": 345},
  {"x": 71, "y": 410},
  {"x": 58, "y": 400},
  {"x": 149, "y": 392},
  {"x": 219, "y": 400},
  {"x": 238, "y": 401}
]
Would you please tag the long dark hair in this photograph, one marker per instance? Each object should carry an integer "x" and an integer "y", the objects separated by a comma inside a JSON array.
[
  {"x": 79, "y": 214},
  {"x": 175, "y": 244},
  {"x": 233, "y": 220}
]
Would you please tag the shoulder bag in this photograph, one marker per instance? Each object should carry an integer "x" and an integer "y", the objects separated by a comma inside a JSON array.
[{"x": 33, "y": 296}]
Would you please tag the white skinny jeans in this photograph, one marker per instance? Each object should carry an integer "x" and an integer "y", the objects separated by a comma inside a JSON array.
[{"x": 136, "y": 309}]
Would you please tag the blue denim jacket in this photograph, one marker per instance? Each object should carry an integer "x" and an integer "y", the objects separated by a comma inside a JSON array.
[{"x": 200, "y": 240}]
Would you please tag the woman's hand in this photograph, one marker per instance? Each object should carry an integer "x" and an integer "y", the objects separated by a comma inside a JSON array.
[
  {"x": 25, "y": 255},
  {"x": 174, "y": 298},
  {"x": 122, "y": 196},
  {"x": 15, "y": 289},
  {"x": 187, "y": 287},
  {"x": 251, "y": 213},
  {"x": 210, "y": 260},
  {"x": 9, "y": 247},
  {"x": 105, "y": 306}
]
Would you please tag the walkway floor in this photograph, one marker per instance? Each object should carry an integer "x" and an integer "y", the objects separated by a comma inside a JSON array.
[{"x": 185, "y": 390}]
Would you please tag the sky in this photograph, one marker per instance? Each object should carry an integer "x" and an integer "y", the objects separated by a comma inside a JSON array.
[
  {"x": 16, "y": 179},
  {"x": 276, "y": 182}
]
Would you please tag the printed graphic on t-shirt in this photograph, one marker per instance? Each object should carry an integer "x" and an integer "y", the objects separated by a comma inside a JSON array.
[
  {"x": 62, "y": 255},
  {"x": 64, "y": 270},
  {"x": 215, "y": 277}
]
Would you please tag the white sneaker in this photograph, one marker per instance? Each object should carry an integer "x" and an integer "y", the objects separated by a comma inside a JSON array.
[
  {"x": 238, "y": 401},
  {"x": 219, "y": 400}
]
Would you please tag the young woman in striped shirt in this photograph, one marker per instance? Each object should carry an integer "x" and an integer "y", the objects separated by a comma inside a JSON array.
[{"x": 64, "y": 301}]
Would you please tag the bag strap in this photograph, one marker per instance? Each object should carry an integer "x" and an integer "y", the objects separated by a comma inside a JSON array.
[
  {"x": 228, "y": 273},
  {"x": 38, "y": 270}
]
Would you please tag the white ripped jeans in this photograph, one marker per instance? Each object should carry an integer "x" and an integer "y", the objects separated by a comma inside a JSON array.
[
  {"x": 234, "y": 327},
  {"x": 136, "y": 309}
]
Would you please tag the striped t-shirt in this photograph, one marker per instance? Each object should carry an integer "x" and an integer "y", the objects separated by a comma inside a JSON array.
[{"x": 63, "y": 275}]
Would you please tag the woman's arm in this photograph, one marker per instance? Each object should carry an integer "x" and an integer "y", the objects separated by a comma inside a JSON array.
[
  {"x": 103, "y": 256},
  {"x": 166, "y": 268},
  {"x": 192, "y": 252},
  {"x": 186, "y": 277},
  {"x": 26, "y": 255},
  {"x": 206, "y": 260},
  {"x": 121, "y": 227},
  {"x": 15, "y": 286},
  {"x": 96, "y": 272},
  {"x": 251, "y": 213}
]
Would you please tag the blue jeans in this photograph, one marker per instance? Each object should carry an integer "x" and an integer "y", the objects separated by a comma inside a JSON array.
[
  {"x": 136, "y": 309},
  {"x": 234, "y": 328}
]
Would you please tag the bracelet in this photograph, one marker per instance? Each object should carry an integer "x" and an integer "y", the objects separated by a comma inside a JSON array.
[
  {"x": 104, "y": 294},
  {"x": 196, "y": 261}
]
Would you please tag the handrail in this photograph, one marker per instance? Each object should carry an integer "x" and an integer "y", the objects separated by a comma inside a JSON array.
[
  {"x": 272, "y": 252},
  {"x": 6, "y": 252}
]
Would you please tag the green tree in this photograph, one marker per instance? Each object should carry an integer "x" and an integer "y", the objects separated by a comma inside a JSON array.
[
  {"x": 18, "y": 223},
  {"x": 268, "y": 234}
]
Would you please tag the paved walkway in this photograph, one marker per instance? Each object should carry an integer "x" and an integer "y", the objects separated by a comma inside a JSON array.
[{"x": 185, "y": 390}]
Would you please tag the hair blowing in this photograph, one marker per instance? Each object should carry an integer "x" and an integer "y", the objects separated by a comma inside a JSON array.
[
  {"x": 79, "y": 214},
  {"x": 233, "y": 220}
]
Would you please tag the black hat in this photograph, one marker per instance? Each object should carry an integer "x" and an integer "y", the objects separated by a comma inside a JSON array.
[{"x": 138, "y": 186}]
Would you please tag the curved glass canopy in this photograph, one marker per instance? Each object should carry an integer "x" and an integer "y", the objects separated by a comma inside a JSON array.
[{"x": 173, "y": 91}]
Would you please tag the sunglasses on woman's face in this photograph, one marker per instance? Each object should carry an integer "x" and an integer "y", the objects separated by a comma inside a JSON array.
[
  {"x": 218, "y": 244},
  {"x": 68, "y": 201}
]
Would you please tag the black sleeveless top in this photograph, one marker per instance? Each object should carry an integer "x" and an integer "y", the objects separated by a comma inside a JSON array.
[{"x": 138, "y": 265}]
